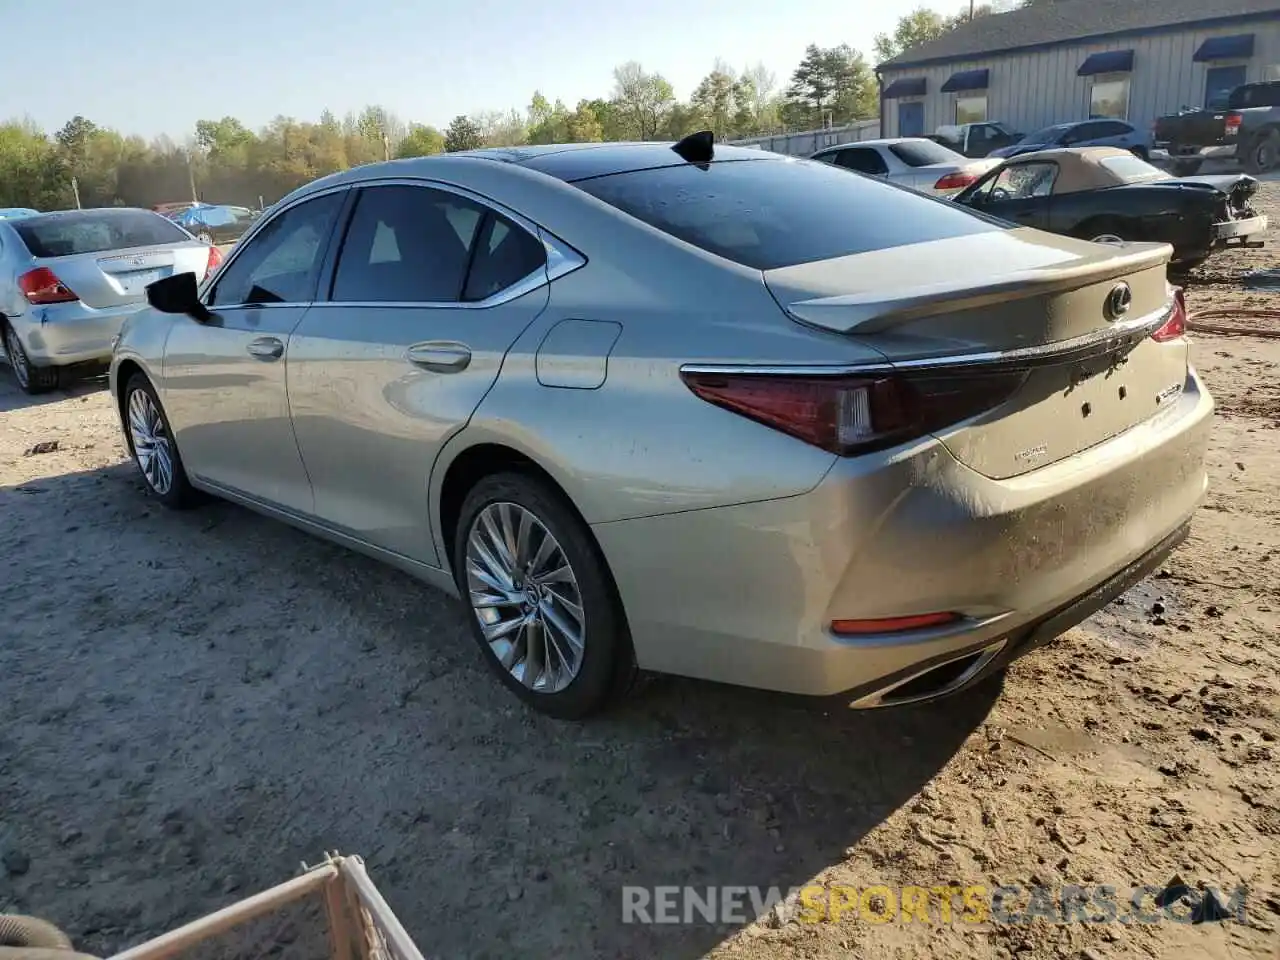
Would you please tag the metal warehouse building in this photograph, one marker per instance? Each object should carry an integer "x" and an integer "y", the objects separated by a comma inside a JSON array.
[{"x": 1132, "y": 60}]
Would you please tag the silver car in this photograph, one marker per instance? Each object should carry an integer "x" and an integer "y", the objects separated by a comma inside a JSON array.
[
  {"x": 912, "y": 162},
  {"x": 698, "y": 410},
  {"x": 69, "y": 279}
]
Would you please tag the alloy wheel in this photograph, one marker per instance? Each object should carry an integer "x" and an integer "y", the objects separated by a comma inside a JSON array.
[
  {"x": 151, "y": 444},
  {"x": 526, "y": 597},
  {"x": 17, "y": 357}
]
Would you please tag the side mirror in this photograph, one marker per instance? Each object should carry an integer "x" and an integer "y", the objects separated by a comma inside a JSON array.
[{"x": 179, "y": 293}]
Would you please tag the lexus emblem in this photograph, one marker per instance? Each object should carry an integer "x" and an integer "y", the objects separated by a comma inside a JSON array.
[{"x": 1118, "y": 301}]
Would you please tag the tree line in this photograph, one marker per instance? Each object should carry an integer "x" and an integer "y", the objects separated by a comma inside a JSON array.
[{"x": 226, "y": 162}]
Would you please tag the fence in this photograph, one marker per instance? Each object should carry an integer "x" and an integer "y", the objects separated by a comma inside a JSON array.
[{"x": 810, "y": 141}]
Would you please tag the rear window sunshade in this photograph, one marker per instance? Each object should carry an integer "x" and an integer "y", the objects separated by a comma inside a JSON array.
[{"x": 95, "y": 231}]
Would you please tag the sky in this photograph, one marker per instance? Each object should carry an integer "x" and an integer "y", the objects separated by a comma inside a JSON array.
[{"x": 154, "y": 67}]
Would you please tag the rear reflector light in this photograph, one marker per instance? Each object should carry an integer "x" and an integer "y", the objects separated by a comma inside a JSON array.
[
  {"x": 1176, "y": 325},
  {"x": 849, "y": 415},
  {"x": 1232, "y": 125},
  {"x": 42, "y": 285},
  {"x": 955, "y": 181},
  {"x": 215, "y": 259},
  {"x": 921, "y": 621}
]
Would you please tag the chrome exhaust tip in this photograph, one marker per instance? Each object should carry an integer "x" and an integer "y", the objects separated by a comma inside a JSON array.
[{"x": 936, "y": 680}]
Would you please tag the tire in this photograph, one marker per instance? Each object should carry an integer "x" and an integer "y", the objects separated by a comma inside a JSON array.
[
  {"x": 1186, "y": 168},
  {"x": 1183, "y": 267},
  {"x": 1264, "y": 153},
  {"x": 1140, "y": 152},
  {"x": 147, "y": 425},
  {"x": 31, "y": 377},
  {"x": 571, "y": 682}
]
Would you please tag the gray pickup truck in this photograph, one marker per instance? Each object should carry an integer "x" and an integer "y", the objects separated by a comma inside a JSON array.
[{"x": 1245, "y": 129}]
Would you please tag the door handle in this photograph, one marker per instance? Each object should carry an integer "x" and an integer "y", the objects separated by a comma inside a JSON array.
[
  {"x": 440, "y": 356},
  {"x": 266, "y": 348}
]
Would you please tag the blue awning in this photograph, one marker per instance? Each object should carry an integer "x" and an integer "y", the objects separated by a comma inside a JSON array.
[
  {"x": 966, "y": 80},
  {"x": 1239, "y": 47},
  {"x": 1113, "y": 61},
  {"x": 906, "y": 87}
]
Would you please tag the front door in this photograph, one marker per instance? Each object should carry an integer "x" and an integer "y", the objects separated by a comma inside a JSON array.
[
  {"x": 224, "y": 380},
  {"x": 405, "y": 347},
  {"x": 1021, "y": 193},
  {"x": 1218, "y": 84},
  {"x": 910, "y": 118}
]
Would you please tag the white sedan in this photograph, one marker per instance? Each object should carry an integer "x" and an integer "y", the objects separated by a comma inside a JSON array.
[{"x": 913, "y": 162}]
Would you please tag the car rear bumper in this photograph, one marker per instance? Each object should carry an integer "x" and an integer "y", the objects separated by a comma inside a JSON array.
[
  {"x": 1175, "y": 151},
  {"x": 746, "y": 594},
  {"x": 1233, "y": 229},
  {"x": 66, "y": 333}
]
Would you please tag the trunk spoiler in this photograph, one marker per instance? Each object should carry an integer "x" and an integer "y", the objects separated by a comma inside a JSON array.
[{"x": 877, "y": 311}]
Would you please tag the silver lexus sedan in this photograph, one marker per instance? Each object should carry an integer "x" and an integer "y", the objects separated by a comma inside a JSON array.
[
  {"x": 68, "y": 280},
  {"x": 688, "y": 409}
]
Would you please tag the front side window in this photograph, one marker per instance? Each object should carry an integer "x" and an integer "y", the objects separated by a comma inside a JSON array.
[
  {"x": 972, "y": 110},
  {"x": 1021, "y": 181},
  {"x": 407, "y": 244},
  {"x": 1109, "y": 99},
  {"x": 281, "y": 262}
]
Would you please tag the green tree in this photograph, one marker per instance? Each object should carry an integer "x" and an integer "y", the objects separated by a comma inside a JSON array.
[
  {"x": 462, "y": 134},
  {"x": 421, "y": 141},
  {"x": 832, "y": 84},
  {"x": 716, "y": 99},
  {"x": 584, "y": 124},
  {"x": 642, "y": 101},
  {"x": 919, "y": 26}
]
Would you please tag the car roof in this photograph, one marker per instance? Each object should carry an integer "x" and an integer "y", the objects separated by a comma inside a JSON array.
[
  {"x": 564, "y": 161},
  {"x": 879, "y": 142},
  {"x": 581, "y": 161},
  {"x": 1082, "y": 168}
]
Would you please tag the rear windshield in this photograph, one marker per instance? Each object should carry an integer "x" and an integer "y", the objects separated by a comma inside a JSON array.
[
  {"x": 93, "y": 231},
  {"x": 767, "y": 214},
  {"x": 1254, "y": 95},
  {"x": 1132, "y": 170},
  {"x": 922, "y": 153}
]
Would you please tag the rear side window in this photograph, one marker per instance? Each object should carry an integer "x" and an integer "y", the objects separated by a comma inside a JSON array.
[
  {"x": 94, "y": 231},
  {"x": 771, "y": 213},
  {"x": 406, "y": 245},
  {"x": 864, "y": 160},
  {"x": 505, "y": 255},
  {"x": 1254, "y": 95}
]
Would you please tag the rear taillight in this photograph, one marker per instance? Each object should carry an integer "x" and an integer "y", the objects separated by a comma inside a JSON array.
[
  {"x": 1176, "y": 325},
  {"x": 1232, "y": 125},
  {"x": 42, "y": 285},
  {"x": 955, "y": 181},
  {"x": 215, "y": 259},
  {"x": 849, "y": 415}
]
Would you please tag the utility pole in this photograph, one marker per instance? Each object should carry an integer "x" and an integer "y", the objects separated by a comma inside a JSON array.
[
  {"x": 386, "y": 146},
  {"x": 971, "y": 11},
  {"x": 75, "y": 188}
]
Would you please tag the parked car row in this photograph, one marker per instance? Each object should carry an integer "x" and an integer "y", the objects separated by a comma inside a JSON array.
[{"x": 1104, "y": 194}]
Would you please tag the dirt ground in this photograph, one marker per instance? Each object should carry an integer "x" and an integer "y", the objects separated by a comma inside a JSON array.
[{"x": 190, "y": 704}]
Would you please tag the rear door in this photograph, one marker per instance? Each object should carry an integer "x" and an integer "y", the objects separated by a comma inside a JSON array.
[
  {"x": 430, "y": 289},
  {"x": 224, "y": 380}
]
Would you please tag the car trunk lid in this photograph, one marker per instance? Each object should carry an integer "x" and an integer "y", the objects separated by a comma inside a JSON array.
[
  {"x": 112, "y": 278},
  {"x": 933, "y": 309}
]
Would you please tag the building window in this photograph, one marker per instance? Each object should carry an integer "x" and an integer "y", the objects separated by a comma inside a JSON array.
[
  {"x": 1109, "y": 99},
  {"x": 971, "y": 109}
]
